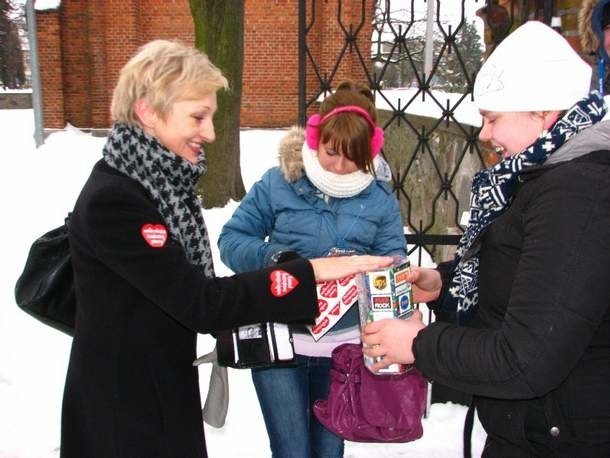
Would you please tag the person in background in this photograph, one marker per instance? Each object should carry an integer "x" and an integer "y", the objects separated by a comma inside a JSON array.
[
  {"x": 327, "y": 195},
  {"x": 594, "y": 30},
  {"x": 143, "y": 273},
  {"x": 531, "y": 277}
]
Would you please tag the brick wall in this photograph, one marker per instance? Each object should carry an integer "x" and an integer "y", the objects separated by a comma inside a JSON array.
[
  {"x": 76, "y": 68},
  {"x": 83, "y": 45},
  {"x": 327, "y": 41},
  {"x": 51, "y": 75},
  {"x": 270, "y": 77}
]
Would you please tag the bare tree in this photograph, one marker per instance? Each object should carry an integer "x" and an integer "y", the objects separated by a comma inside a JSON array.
[
  {"x": 398, "y": 51},
  {"x": 12, "y": 71},
  {"x": 219, "y": 33}
]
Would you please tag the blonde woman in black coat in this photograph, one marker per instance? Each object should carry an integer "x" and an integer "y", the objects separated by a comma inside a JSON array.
[
  {"x": 143, "y": 270},
  {"x": 530, "y": 284}
]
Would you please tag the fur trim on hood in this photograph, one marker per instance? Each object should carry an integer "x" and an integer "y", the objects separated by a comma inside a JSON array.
[
  {"x": 588, "y": 39},
  {"x": 290, "y": 155}
]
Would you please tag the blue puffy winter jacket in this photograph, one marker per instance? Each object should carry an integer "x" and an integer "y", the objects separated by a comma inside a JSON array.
[
  {"x": 283, "y": 211},
  {"x": 281, "y": 214}
]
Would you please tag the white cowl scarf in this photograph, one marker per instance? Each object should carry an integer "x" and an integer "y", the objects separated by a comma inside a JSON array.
[{"x": 335, "y": 185}]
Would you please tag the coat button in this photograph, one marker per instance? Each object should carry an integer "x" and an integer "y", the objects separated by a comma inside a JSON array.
[{"x": 554, "y": 431}]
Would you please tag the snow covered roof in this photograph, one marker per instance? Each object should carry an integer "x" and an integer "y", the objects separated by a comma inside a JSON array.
[{"x": 41, "y": 5}]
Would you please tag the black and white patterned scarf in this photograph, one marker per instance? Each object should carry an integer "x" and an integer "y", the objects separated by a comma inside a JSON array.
[
  {"x": 492, "y": 193},
  {"x": 170, "y": 181}
]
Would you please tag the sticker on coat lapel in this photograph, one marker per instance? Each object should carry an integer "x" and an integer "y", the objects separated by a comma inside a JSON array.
[
  {"x": 282, "y": 283},
  {"x": 154, "y": 234}
]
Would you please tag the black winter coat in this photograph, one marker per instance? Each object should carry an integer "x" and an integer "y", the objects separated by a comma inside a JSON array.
[
  {"x": 537, "y": 356},
  {"x": 131, "y": 389}
]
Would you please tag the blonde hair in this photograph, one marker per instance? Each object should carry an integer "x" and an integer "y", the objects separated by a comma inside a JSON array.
[{"x": 163, "y": 72}]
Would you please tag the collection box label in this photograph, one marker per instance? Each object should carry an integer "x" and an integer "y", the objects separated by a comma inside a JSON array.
[{"x": 382, "y": 294}]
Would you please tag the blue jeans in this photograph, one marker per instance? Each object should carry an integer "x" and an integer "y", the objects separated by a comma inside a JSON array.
[{"x": 286, "y": 396}]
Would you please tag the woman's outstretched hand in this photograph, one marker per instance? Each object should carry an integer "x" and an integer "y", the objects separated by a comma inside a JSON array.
[
  {"x": 336, "y": 267},
  {"x": 392, "y": 339}
]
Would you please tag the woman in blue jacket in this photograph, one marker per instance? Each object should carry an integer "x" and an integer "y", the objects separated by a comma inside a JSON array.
[{"x": 326, "y": 196}]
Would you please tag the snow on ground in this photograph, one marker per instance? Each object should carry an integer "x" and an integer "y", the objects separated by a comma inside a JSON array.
[{"x": 38, "y": 187}]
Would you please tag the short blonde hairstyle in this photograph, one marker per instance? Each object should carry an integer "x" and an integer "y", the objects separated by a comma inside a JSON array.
[{"x": 163, "y": 72}]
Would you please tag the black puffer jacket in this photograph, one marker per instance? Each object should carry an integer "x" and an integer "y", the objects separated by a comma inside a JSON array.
[{"x": 537, "y": 356}]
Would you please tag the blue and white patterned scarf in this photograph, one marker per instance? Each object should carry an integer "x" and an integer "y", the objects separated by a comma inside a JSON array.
[{"x": 492, "y": 193}]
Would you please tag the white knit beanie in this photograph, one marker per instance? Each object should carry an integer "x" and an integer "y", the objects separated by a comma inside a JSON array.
[{"x": 533, "y": 69}]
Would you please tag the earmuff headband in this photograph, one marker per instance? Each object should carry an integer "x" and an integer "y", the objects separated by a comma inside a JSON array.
[
  {"x": 349, "y": 109},
  {"x": 312, "y": 128}
]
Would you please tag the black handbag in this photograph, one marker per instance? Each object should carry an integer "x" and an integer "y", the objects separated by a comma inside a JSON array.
[{"x": 45, "y": 288}]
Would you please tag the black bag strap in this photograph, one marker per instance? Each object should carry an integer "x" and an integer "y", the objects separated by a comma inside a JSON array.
[
  {"x": 273, "y": 341},
  {"x": 468, "y": 425}
]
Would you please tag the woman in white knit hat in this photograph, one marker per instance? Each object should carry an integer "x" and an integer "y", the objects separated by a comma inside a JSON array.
[{"x": 530, "y": 282}]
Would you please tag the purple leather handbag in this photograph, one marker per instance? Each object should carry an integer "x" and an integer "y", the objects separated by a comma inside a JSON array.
[{"x": 364, "y": 407}]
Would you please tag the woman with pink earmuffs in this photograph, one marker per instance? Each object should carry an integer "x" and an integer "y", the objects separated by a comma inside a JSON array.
[{"x": 328, "y": 195}]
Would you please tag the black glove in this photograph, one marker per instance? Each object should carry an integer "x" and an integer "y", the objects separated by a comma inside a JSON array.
[{"x": 284, "y": 256}]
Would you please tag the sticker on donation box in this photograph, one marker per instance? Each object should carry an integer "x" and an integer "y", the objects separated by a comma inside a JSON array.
[{"x": 385, "y": 293}]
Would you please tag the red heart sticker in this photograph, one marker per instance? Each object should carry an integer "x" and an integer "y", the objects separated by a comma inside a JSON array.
[
  {"x": 154, "y": 234},
  {"x": 329, "y": 289},
  {"x": 335, "y": 310},
  {"x": 345, "y": 280},
  {"x": 282, "y": 283},
  {"x": 321, "y": 325},
  {"x": 322, "y": 305},
  {"x": 350, "y": 296}
]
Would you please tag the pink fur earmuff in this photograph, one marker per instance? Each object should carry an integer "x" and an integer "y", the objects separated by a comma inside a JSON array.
[{"x": 312, "y": 128}]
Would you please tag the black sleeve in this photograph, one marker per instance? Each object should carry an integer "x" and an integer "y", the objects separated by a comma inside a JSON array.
[
  {"x": 558, "y": 297},
  {"x": 113, "y": 222},
  {"x": 283, "y": 256},
  {"x": 445, "y": 269}
]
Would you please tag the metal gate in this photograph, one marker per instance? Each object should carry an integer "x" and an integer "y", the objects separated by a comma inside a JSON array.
[{"x": 420, "y": 58}]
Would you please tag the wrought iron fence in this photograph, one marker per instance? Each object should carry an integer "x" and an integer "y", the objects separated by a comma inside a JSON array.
[{"x": 420, "y": 59}]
